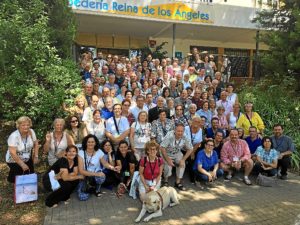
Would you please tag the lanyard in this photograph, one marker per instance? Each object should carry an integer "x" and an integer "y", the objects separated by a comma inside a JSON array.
[
  {"x": 236, "y": 150},
  {"x": 152, "y": 169},
  {"x": 24, "y": 142},
  {"x": 57, "y": 144},
  {"x": 177, "y": 143},
  {"x": 143, "y": 130},
  {"x": 117, "y": 125}
]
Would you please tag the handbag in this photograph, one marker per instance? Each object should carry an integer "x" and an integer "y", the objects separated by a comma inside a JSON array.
[
  {"x": 265, "y": 181},
  {"x": 26, "y": 188},
  {"x": 89, "y": 183}
]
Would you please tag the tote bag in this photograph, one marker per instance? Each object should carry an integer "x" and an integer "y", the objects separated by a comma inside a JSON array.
[{"x": 26, "y": 188}]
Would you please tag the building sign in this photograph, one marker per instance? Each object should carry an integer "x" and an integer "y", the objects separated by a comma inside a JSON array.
[{"x": 156, "y": 9}]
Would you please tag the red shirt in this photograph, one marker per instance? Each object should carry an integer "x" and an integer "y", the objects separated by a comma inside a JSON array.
[{"x": 152, "y": 169}]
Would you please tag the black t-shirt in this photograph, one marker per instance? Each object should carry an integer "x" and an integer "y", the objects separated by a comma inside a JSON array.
[
  {"x": 129, "y": 158},
  {"x": 63, "y": 163}
]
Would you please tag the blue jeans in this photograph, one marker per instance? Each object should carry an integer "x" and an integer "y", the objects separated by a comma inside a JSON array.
[
  {"x": 203, "y": 177},
  {"x": 83, "y": 196}
]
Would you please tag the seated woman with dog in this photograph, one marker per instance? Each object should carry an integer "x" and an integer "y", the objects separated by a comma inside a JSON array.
[{"x": 150, "y": 169}]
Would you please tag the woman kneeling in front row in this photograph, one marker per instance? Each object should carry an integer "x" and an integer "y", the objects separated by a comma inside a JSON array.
[
  {"x": 206, "y": 165},
  {"x": 89, "y": 165},
  {"x": 66, "y": 170}
]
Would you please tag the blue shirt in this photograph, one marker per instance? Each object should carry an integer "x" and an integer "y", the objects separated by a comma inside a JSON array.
[
  {"x": 106, "y": 114},
  {"x": 266, "y": 156},
  {"x": 206, "y": 162},
  {"x": 253, "y": 144}
]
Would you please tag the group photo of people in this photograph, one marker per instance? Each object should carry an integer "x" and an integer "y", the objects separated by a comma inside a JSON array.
[{"x": 141, "y": 123}]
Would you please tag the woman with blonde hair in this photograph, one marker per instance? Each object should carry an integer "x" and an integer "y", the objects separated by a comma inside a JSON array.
[
  {"x": 78, "y": 108},
  {"x": 23, "y": 149},
  {"x": 57, "y": 141},
  {"x": 150, "y": 169}
]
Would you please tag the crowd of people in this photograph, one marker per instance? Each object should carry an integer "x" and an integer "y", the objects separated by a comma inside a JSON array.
[{"x": 138, "y": 119}]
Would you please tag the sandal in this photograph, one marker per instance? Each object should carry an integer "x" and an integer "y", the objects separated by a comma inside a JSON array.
[
  {"x": 180, "y": 186},
  {"x": 166, "y": 184},
  {"x": 121, "y": 190},
  {"x": 247, "y": 181}
]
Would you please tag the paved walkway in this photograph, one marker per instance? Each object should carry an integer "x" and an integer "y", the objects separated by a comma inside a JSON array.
[{"x": 228, "y": 203}]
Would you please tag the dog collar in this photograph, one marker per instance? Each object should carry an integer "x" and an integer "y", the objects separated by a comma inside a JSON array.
[{"x": 161, "y": 199}]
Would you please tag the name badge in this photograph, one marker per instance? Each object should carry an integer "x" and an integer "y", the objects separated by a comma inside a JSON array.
[
  {"x": 26, "y": 155},
  {"x": 235, "y": 159},
  {"x": 117, "y": 135},
  {"x": 127, "y": 174}
]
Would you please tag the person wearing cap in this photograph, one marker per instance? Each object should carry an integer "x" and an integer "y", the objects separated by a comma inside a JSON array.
[{"x": 250, "y": 118}]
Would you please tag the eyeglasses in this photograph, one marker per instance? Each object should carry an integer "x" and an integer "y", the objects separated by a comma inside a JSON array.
[
  {"x": 74, "y": 121},
  {"x": 210, "y": 145},
  {"x": 126, "y": 105}
]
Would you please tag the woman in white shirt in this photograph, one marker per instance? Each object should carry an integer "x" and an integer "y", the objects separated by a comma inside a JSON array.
[
  {"x": 97, "y": 126},
  {"x": 89, "y": 165},
  {"x": 22, "y": 150},
  {"x": 57, "y": 141},
  {"x": 140, "y": 134}
]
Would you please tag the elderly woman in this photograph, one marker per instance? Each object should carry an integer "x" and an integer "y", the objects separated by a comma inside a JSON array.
[
  {"x": 206, "y": 165},
  {"x": 140, "y": 134},
  {"x": 97, "y": 126},
  {"x": 192, "y": 112},
  {"x": 223, "y": 123},
  {"x": 76, "y": 129},
  {"x": 89, "y": 165},
  {"x": 161, "y": 126},
  {"x": 267, "y": 156},
  {"x": 206, "y": 113},
  {"x": 57, "y": 141},
  {"x": 250, "y": 118},
  {"x": 234, "y": 116},
  {"x": 150, "y": 169},
  {"x": 179, "y": 117},
  {"x": 22, "y": 150},
  {"x": 66, "y": 170}
]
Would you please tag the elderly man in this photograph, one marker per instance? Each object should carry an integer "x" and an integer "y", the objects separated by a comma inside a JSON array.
[
  {"x": 111, "y": 82},
  {"x": 153, "y": 113},
  {"x": 285, "y": 146},
  {"x": 225, "y": 103},
  {"x": 140, "y": 106},
  {"x": 88, "y": 112},
  {"x": 171, "y": 147},
  {"x": 235, "y": 154},
  {"x": 107, "y": 110},
  {"x": 183, "y": 100}
]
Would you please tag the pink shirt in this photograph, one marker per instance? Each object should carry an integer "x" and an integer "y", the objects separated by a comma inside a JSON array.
[
  {"x": 240, "y": 150},
  {"x": 151, "y": 170}
]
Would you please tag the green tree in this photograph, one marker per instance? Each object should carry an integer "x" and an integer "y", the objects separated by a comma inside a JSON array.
[
  {"x": 34, "y": 80},
  {"x": 62, "y": 26},
  {"x": 283, "y": 38}
]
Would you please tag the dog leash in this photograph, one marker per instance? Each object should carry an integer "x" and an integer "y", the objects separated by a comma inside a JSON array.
[{"x": 161, "y": 199}]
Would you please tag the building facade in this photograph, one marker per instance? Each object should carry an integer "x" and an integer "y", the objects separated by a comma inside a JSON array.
[{"x": 220, "y": 27}]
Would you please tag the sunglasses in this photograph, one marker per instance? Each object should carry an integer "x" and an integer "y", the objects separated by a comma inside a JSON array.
[{"x": 74, "y": 121}]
